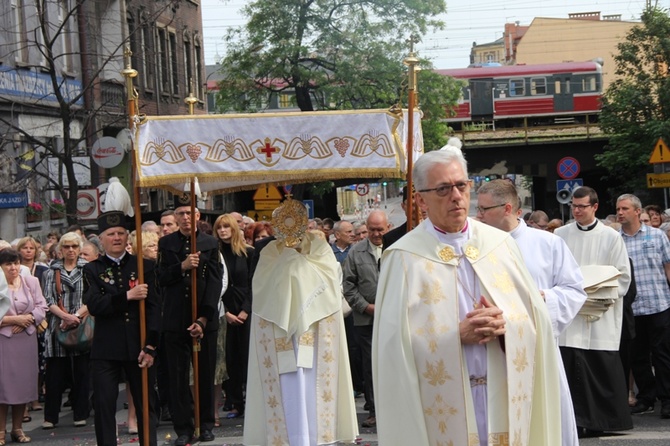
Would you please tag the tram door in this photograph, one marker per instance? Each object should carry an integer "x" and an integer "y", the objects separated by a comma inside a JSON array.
[
  {"x": 563, "y": 93},
  {"x": 481, "y": 100}
]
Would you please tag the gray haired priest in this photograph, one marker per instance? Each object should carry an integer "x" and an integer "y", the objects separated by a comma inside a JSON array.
[{"x": 463, "y": 351}]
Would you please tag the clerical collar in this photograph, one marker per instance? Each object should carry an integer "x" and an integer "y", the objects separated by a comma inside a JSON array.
[
  {"x": 117, "y": 261},
  {"x": 588, "y": 227},
  {"x": 464, "y": 230}
]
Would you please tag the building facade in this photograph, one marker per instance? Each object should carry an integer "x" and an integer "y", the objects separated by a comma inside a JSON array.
[
  {"x": 580, "y": 37},
  {"x": 61, "y": 89}
]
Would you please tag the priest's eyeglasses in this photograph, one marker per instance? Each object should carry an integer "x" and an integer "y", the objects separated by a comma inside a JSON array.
[
  {"x": 581, "y": 207},
  {"x": 445, "y": 189}
]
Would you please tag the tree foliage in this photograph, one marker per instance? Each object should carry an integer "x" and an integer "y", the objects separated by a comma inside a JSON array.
[
  {"x": 332, "y": 55},
  {"x": 636, "y": 107}
]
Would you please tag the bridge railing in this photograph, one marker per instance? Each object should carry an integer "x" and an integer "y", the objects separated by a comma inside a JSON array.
[{"x": 488, "y": 133}]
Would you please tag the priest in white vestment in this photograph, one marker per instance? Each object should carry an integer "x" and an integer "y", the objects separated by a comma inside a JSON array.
[
  {"x": 299, "y": 383},
  {"x": 463, "y": 352},
  {"x": 590, "y": 344},
  {"x": 550, "y": 264}
]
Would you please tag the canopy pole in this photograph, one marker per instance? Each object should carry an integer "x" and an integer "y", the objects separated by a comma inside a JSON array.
[
  {"x": 129, "y": 73},
  {"x": 411, "y": 61},
  {"x": 191, "y": 101}
]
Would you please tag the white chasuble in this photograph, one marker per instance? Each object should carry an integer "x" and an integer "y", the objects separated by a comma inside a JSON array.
[
  {"x": 420, "y": 365},
  {"x": 299, "y": 384}
]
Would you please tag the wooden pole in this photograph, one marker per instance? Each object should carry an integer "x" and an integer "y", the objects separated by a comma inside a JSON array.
[
  {"x": 129, "y": 73},
  {"x": 190, "y": 101},
  {"x": 411, "y": 61}
]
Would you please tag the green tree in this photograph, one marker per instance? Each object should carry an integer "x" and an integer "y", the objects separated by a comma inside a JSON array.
[
  {"x": 331, "y": 55},
  {"x": 636, "y": 107}
]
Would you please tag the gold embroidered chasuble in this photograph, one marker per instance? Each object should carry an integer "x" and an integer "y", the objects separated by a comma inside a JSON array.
[
  {"x": 418, "y": 360},
  {"x": 297, "y": 323}
]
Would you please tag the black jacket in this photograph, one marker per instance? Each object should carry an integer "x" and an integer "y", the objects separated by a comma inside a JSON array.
[
  {"x": 176, "y": 285},
  {"x": 238, "y": 294},
  {"x": 117, "y": 320},
  {"x": 393, "y": 236}
]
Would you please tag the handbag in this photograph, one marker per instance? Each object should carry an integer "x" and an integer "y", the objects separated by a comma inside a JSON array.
[
  {"x": 42, "y": 327},
  {"x": 77, "y": 339}
]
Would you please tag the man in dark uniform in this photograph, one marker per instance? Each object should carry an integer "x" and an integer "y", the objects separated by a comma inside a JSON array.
[
  {"x": 396, "y": 233},
  {"x": 176, "y": 263},
  {"x": 112, "y": 294}
]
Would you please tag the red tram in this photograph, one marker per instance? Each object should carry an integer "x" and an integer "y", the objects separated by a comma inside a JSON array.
[{"x": 544, "y": 94}]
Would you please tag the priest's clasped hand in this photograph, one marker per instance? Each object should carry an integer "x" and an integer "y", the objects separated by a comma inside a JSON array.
[{"x": 483, "y": 324}]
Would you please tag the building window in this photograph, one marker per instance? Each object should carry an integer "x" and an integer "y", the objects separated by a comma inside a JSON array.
[
  {"x": 174, "y": 65},
  {"x": 132, "y": 40},
  {"x": 589, "y": 83},
  {"x": 188, "y": 64},
  {"x": 163, "y": 60},
  {"x": 198, "y": 69},
  {"x": 65, "y": 19},
  {"x": 284, "y": 101},
  {"x": 517, "y": 87},
  {"x": 538, "y": 86},
  {"x": 21, "y": 49},
  {"x": 146, "y": 68}
]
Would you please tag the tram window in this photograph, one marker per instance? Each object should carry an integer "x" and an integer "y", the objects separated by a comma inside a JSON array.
[
  {"x": 516, "y": 87},
  {"x": 557, "y": 86},
  {"x": 589, "y": 83},
  {"x": 284, "y": 101},
  {"x": 538, "y": 85}
]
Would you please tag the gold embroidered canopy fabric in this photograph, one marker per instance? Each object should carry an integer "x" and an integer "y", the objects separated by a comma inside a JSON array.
[{"x": 236, "y": 152}]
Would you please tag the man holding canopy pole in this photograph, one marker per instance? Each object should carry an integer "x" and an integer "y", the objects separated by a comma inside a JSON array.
[
  {"x": 176, "y": 263},
  {"x": 112, "y": 293}
]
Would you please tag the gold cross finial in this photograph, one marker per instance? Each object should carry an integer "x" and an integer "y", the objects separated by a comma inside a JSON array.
[
  {"x": 413, "y": 39},
  {"x": 126, "y": 55}
]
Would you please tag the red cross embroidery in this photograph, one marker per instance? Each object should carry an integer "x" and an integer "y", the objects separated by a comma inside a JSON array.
[{"x": 268, "y": 150}]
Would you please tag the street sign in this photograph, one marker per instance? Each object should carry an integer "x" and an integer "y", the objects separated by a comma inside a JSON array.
[
  {"x": 568, "y": 168},
  {"x": 658, "y": 180},
  {"x": 661, "y": 154},
  {"x": 88, "y": 204},
  {"x": 309, "y": 204},
  {"x": 570, "y": 185},
  {"x": 362, "y": 189},
  {"x": 13, "y": 200}
]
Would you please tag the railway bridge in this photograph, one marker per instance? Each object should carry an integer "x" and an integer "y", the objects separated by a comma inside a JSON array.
[{"x": 535, "y": 152}]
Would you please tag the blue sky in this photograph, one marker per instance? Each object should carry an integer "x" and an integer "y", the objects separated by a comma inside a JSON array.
[{"x": 467, "y": 21}]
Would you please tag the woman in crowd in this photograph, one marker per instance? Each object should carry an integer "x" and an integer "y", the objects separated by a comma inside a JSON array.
[
  {"x": 28, "y": 250},
  {"x": 149, "y": 252},
  {"x": 655, "y": 215},
  {"x": 237, "y": 307},
  {"x": 149, "y": 245},
  {"x": 63, "y": 289},
  {"x": 257, "y": 231},
  {"x": 18, "y": 345}
]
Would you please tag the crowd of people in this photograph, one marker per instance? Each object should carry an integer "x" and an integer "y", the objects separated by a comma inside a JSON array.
[{"x": 521, "y": 310}]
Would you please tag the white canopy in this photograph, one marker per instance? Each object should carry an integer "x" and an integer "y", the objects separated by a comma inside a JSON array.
[{"x": 236, "y": 152}]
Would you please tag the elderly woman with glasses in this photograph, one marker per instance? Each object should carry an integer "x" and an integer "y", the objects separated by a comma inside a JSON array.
[
  {"x": 64, "y": 289},
  {"x": 18, "y": 345}
]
